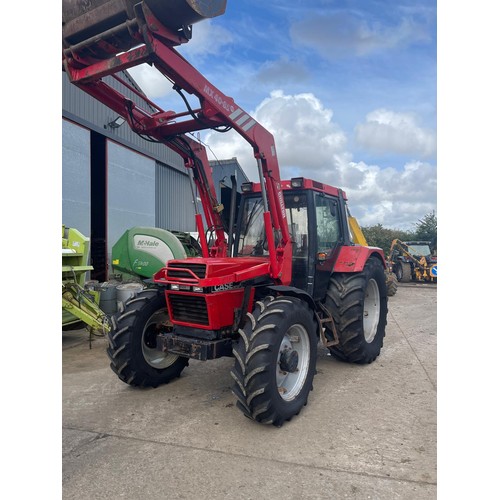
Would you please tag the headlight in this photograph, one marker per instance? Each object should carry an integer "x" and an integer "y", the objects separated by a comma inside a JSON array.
[{"x": 198, "y": 289}]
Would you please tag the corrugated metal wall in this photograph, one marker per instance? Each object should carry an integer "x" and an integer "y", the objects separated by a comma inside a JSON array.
[
  {"x": 174, "y": 200},
  {"x": 76, "y": 177},
  {"x": 131, "y": 191}
]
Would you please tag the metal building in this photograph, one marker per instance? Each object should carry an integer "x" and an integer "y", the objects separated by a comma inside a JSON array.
[
  {"x": 112, "y": 179},
  {"x": 222, "y": 172}
]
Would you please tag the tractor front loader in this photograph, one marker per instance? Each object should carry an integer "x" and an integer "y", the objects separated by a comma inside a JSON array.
[{"x": 289, "y": 275}]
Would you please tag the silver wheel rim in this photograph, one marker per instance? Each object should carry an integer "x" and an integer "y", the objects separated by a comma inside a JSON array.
[
  {"x": 153, "y": 357},
  {"x": 290, "y": 383},
  {"x": 371, "y": 310}
]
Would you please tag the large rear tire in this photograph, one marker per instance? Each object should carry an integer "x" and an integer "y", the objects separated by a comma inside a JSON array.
[
  {"x": 275, "y": 360},
  {"x": 358, "y": 304},
  {"x": 132, "y": 343}
]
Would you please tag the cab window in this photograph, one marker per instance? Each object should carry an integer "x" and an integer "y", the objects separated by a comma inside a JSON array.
[{"x": 327, "y": 223}]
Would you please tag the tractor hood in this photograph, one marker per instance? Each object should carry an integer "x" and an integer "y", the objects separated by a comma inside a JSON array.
[{"x": 212, "y": 271}]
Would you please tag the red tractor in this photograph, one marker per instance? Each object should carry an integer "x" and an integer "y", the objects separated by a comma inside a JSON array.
[{"x": 289, "y": 275}]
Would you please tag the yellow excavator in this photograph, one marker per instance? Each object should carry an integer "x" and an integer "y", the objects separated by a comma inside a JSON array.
[{"x": 413, "y": 261}]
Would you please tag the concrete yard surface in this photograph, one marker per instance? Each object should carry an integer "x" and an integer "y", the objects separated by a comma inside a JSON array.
[{"x": 368, "y": 432}]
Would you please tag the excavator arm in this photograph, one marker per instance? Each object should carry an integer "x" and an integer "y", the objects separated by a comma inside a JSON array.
[
  {"x": 98, "y": 43},
  {"x": 399, "y": 246}
]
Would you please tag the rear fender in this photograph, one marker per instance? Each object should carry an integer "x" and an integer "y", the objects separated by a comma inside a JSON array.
[{"x": 352, "y": 259}]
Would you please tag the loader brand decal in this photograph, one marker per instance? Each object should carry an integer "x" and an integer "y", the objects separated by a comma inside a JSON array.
[
  {"x": 153, "y": 246},
  {"x": 282, "y": 202},
  {"x": 217, "y": 98}
]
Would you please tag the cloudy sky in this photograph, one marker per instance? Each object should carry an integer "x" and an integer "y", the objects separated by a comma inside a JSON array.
[{"x": 347, "y": 87}]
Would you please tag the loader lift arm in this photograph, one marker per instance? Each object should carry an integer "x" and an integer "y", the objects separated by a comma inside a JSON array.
[{"x": 154, "y": 43}]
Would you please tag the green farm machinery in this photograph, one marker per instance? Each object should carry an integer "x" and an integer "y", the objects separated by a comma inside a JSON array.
[
  {"x": 142, "y": 251},
  {"x": 138, "y": 254},
  {"x": 80, "y": 301}
]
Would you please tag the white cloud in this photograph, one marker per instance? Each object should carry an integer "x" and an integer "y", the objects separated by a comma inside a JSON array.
[
  {"x": 344, "y": 33},
  {"x": 394, "y": 198},
  {"x": 310, "y": 144},
  {"x": 304, "y": 134},
  {"x": 282, "y": 71},
  {"x": 386, "y": 131},
  {"x": 151, "y": 81}
]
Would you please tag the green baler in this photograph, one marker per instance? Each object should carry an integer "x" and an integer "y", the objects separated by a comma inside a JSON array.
[{"x": 142, "y": 251}]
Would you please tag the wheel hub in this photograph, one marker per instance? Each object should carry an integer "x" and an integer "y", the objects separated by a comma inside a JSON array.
[
  {"x": 371, "y": 312},
  {"x": 150, "y": 336},
  {"x": 292, "y": 362},
  {"x": 152, "y": 356},
  {"x": 289, "y": 361}
]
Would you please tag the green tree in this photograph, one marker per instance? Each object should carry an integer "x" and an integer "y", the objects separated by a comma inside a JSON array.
[
  {"x": 379, "y": 236},
  {"x": 426, "y": 228},
  {"x": 382, "y": 237}
]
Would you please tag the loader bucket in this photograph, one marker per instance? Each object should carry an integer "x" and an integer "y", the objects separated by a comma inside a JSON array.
[{"x": 113, "y": 20}]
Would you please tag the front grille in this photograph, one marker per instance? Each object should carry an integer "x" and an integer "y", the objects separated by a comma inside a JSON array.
[
  {"x": 179, "y": 270},
  {"x": 189, "y": 308}
]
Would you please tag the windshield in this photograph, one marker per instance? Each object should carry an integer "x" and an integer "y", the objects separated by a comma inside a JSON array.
[
  {"x": 419, "y": 250},
  {"x": 252, "y": 236},
  {"x": 252, "y": 241}
]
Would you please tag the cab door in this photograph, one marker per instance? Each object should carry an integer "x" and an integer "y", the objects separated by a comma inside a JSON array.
[{"x": 329, "y": 235}]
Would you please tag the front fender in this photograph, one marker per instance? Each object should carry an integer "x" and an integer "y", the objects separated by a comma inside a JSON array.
[{"x": 352, "y": 259}]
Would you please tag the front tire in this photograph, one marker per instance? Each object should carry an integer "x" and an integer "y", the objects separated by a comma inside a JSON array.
[
  {"x": 132, "y": 344},
  {"x": 358, "y": 304},
  {"x": 275, "y": 360}
]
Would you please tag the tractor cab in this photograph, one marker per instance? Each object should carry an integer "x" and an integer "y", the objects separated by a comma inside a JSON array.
[{"x": 318, "y": 226}]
